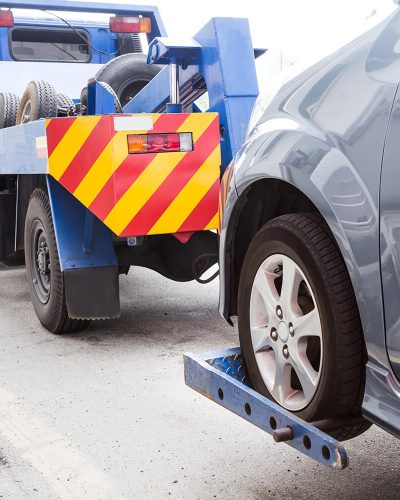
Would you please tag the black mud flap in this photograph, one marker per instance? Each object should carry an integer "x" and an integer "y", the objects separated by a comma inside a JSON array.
[{"x": 92, "y": 293}]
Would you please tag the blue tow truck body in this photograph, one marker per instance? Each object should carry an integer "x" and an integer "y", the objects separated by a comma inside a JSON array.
[
  {"x": 220, "y": 60},
  {"x": 63, "y": 48}
]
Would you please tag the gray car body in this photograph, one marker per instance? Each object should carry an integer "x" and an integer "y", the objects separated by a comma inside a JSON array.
[{"x": 329, "y": 142}]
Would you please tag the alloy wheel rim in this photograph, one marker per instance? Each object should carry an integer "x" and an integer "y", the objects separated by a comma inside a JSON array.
[{"x": 286, "y": 332}]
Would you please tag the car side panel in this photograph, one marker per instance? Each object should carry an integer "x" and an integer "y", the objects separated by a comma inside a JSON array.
[
  {"x": 390, "y": 237},
  {"x": 325, "y": 134}
]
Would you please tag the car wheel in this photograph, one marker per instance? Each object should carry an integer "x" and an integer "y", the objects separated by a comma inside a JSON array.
[
  {"x": 45, "y": 279},
  {"x": 8, "y": 109},
  {"x": 299, "y": 326},
  {"x": 38, "y": 101}
]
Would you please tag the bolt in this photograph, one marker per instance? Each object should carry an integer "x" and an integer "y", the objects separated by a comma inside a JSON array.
[
  {"x": 279, "y": 312},
  {"x": 285, "y": 351},
  {"x": 291, "y": 329},
  {"x": 274, "y": 334}
]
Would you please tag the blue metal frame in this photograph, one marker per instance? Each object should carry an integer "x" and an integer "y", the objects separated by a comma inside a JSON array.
[
  {"x": 158, "y": 28},
  {"x": 82, "y": 240},
  {"x": 100, "y": 100},
  {"x": 20, "y": 151},
  {"x": 220, "y": 376},
  {"x": 221, "y": 55}
]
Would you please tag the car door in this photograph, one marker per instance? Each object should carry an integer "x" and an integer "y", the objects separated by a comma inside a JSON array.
[{"x": 390, "y": 236}]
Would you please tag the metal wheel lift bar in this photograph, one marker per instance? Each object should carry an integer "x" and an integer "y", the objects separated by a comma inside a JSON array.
[{"x": 220, "y": 376}]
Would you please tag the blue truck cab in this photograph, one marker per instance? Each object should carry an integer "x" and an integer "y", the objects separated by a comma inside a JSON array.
[{"x": 67, "y": 48}]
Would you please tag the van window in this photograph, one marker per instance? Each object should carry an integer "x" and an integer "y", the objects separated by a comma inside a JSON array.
[{"x": 51, "y": 45}]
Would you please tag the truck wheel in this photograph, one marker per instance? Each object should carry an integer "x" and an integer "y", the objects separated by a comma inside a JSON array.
[
  {"x": 299, "y": 325},
  {"x": 38, "y": 101},
  {"x": 64, "y": 105},
  {"x": 8, "y": 109},
  {"x": 126, "y": 75},
  {"x": 43, "y": 270}
]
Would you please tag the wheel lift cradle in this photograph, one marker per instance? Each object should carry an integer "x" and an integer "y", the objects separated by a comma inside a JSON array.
[{"x": 219, "y": 60}]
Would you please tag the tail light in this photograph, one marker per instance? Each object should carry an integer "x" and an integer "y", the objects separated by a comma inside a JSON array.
[
  {"x": 6, "y": 19},
  {"x": 160, "y": 143},
  {"x": 129, "y": 24}
]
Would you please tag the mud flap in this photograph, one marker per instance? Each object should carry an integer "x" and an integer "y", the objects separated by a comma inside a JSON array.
[{"x": 92, "y": 293}]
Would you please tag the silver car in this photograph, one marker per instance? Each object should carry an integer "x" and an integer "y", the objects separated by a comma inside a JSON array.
[{"x": 310, "y": 238}]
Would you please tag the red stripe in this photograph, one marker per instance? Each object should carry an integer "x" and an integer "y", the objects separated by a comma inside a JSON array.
[
  {"x": 156, "y": 205},
  {"x": 204, "y": 211},
  {"x": 91, "y": 149},
  {"x": 56, "y": 130},
  {"x": 130, "y": 169}
]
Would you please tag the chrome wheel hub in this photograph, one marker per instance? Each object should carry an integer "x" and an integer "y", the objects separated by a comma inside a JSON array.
[{"x": 286, "y": 332}]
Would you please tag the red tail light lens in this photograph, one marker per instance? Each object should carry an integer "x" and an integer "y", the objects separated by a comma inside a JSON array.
[
  {"x": 6, "y": 19},
  {"x": 160, "y": 143},
  {"x": 129, "y": 24}
]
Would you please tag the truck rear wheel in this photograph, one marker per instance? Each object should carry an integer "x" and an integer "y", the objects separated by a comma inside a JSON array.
[
  {"x": 45, "y": 279},
  {"x": 38, "y": 101},
  {"x": 299, "y": 326},
  {"x": 9, "y": 104}
]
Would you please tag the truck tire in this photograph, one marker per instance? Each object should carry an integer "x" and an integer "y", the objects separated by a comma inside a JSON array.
[
  {"x": 64, "y": 105},
  {"x": 45, "y": 279},
  {"x": 126, "y": 75},
  {"x": 299, "y": 326},
  {"x": 38, "y": 101},
  {"x": 8, "y": 109}
]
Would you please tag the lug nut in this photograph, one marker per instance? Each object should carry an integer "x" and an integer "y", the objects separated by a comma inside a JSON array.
[
  {"x": 291, "y": 329},
  {"x": 285, "y": 351},
  {"x": 274, "y": 334},
  {"x": 279, "y": 312}
]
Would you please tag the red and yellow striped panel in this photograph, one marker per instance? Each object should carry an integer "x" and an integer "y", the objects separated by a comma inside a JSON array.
[{"x": 139, "y": 194}]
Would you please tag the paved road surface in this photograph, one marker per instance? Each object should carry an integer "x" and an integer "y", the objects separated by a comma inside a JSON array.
[{"x": 105, "y": 414}]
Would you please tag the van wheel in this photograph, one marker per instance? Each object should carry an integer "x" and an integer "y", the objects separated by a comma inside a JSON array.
[
  {"x": 45, "y": 279},
  {"x": 38, "y": 101},
  {"x": 9, "y": 104},
  {"x": 299, "y": 326}
]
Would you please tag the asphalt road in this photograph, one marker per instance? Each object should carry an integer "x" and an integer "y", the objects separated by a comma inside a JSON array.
[{"x": 105, "y": 414}]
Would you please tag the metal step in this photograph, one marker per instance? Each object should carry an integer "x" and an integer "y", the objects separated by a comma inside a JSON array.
[{"x": 221, "y": 377}]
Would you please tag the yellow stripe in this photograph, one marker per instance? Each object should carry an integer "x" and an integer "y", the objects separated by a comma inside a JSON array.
[
  {"x": 213, "y": 224},
  {"x": 153, "y": 176},
  {"x": 106, "y": 164},
  {"x": 190, "y": 196},
  {"x": 70, "y": 144}
]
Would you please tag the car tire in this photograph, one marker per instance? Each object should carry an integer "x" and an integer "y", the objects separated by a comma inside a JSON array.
[
  {"x": 299, "y": 326},
  {"x": 45, "y": 279},
  {"x": 38, "y": 101},
  {"x": 126, "y": 75},
  {"x": 9, "y": 104}
]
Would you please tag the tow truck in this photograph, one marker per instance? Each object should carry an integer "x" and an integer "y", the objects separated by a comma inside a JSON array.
[{"x": 86, "y": 195}]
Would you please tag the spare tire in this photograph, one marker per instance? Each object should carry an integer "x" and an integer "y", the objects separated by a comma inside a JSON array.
[
  {"x": 38, "y": 101},
  {"x": 65, "y": 105},
  {"x": 9, "y": 104},
  {"x": 126, "y": 75}
]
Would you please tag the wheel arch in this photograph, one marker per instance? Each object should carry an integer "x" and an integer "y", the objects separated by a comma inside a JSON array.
[{"x": 261, "y": 201}]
